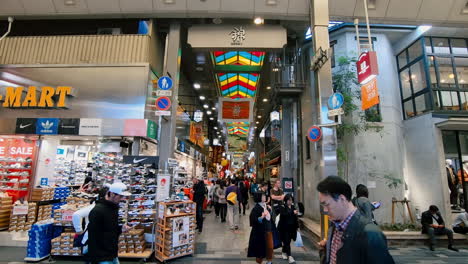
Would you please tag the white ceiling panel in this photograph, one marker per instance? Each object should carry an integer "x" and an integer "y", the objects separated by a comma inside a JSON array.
[
  {"x": 342, "y": 8},
  {"x": 178, "y": 6},
  {"x": 10, "y": 7},
  {"x": 379, "y": 11},
  {"x": 280, "y": 8},
  {"x": 38, "y": 6},
  {"x": 299, "y": 7},
  {"x": 432, "y": 9},
  {"x": 78, "y": 6},
  {"x": 406, "y": 9},
  {"x": 455, "y": 12},
  {"x": 103, "y": 6},
  {"x": 136, "y": 6},
  {"x": 241, "y": 6},
  {"x": 205, "y": 5}
]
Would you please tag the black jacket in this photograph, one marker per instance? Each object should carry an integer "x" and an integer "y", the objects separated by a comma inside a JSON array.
[
  {"x": 426, "y": 220},
  {"x": 288, "y": 223},
  {"x": 103, "y": 232},
  {"x": 257, "y": 241},
  {"x": 363, "y": 243},
  {"x": 199, "y": 192}
]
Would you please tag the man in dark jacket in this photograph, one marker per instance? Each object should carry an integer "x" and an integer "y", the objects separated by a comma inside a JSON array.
[
  {"x": 352, "y": 238},
  {"x": 433, "y": 225},
  {"x": 199, "y": 192},
  {"x": 104, "y": 229}
]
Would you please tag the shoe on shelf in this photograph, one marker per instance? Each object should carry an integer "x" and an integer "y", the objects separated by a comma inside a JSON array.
[
  {"x": 452, "y": 248},
  {"x": 284, "y": 256},
  {"x": 291, "y": 260}
]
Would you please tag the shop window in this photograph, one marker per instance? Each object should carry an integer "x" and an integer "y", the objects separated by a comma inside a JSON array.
[
  {"x": 427, "y": 44},
  {"x": 423, "y": 103},
  {"x": 432, "y": 72},
  {"x": 461, "y": 65},
  {"x": 409, "y": 110},
  {"x": 449, "y": 100},
  {"x": 405, "y": 84},
  {"x": 415, "y": 51},
  {"x": 459, "y": 46},
  {"x": 402, "y": 60},
  {"x": 446, "y": 74},
  {"x": 464, "y": 101},
  {"x": 418, "y": 77},
  {"x": 437, "y": 100},
  {"x": 441, "y": 45}
]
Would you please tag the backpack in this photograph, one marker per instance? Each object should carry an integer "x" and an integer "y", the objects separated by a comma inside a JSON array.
[{"x": 232, "y": 198}]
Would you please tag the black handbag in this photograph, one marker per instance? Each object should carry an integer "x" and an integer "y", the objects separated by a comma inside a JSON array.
[{"x": 77, "y": 240}]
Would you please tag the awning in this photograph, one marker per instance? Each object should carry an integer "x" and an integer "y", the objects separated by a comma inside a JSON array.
[{"x": 453, "y": 124}]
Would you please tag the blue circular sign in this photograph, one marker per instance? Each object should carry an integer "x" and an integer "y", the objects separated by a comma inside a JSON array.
[
  {"x": 314, "y": 133},
  {"x": 163, "y": 103},
  {"x": 165, "y": 83},
  {"x": 335, "y": 101}
]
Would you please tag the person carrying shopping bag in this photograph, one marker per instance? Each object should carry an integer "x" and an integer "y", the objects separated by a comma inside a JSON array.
[
  {"x": 261, "y": 236},
  {"x": 288, "y": 226}
]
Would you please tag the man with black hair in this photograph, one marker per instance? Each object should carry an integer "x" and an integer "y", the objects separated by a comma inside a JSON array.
[
  {"x": 199, "y": 192},
  {"x": 352, "y": 238},
  {"x": 433, "y": 225}
]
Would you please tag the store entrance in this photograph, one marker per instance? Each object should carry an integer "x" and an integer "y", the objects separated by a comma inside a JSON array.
[{"x": 456, "y": 161}]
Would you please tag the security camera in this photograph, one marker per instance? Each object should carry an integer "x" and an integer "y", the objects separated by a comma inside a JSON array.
[{"x": 10, "y": 19}]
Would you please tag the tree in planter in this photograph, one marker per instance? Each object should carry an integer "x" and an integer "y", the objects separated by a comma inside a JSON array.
[{"x": 355, "y": 121}]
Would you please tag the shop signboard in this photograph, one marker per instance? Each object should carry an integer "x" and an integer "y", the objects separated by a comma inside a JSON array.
[
  {"x": 135, "y": 127},
  {"x": 47, "y": 126},
  {"x": 198, "y": 116},
  {"x": 112, "y": 127},
  {"x": 26, "y": 126},
  {"x": 236, "y": 110},
  {"x": 153, "y": 160},
  {"x": 164, "y": 182},
  {"x": 69, "y": 126},
  {"x": 14, "y": 98},
  {"x": 90, "y": 126},
  {"x": 152, "y": 130},
  {"x": 369, "y": 94},
  {"x": 367, "y": 67}
]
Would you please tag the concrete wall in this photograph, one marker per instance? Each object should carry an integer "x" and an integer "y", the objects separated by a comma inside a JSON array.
[
  {"x": 375, "y": 157},
  {"x": 425, "y": 169}
]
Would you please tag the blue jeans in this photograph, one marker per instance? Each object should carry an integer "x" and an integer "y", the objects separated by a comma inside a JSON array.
[{"x": 115, "y": 261}]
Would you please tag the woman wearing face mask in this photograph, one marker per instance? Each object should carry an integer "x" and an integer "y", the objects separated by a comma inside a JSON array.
[
  {"x": 287, "y": 226},
  {"x": 261, "y": 236}
]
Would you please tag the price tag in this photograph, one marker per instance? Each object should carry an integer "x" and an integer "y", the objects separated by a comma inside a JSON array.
[
  {"x": 20, "y": 210},
  {"x": 67, "y": 215}
]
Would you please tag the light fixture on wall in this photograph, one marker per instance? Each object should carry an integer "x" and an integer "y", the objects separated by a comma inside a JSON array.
[{"x": 258, "y": 21}]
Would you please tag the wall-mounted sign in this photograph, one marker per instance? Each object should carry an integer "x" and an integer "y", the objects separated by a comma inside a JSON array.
[
  {"x": 198, "y": 116},
  {"x": 47, "y": 126},
  {"x": 153, "y": 160},
  {"x": 26, "y": 126},
  {"x": 152, "y": 130},
  {"x": 165, "y": 83},
  {"x": 90, "y": 127},
  {"x": 69, "y": 126},
  {"x": 314, "y": 133},
  {"x": 237, "y": 36},
  {"x": 49, "y": 97},
  {"x": 369, "y": 94},
  {"x": 367, "y": 67}
]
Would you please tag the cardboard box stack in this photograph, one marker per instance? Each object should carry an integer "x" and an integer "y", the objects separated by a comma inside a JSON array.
[
  {"x": 5, "y": 211},
  {"x": 42, "y": 194},
  {"x": 63, "y": 245},
  {"x": 25, "y": 221},
  {"x": 132, "y": 242},
  {"x": 44, "y": 212}
]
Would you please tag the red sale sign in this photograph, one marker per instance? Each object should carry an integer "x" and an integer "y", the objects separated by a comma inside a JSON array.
[{"x": 367, "y": 67}]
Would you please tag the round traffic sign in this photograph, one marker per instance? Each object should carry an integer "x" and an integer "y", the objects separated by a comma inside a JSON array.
[
  {"x": 163, "y": 103},
  {"x": 314, "y": 133},
  {"x": 165, "y": 83},
  {"x": 335, "y": 101}
]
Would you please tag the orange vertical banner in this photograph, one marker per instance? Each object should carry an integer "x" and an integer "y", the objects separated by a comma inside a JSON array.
[{"x": 369, "y": 94}]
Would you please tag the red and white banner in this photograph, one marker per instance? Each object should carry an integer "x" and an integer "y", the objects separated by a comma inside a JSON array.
[
  {"x": 367, "y": 67},
  {"x": 236, "y": 110}
]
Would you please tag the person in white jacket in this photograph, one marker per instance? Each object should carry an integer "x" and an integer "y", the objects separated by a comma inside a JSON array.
[{"x": 83, "y": 214}]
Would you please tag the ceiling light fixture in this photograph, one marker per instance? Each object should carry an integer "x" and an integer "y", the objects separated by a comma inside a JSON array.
[
  {"x": 208, "y": 112},
  {"x": 211, "y": 118},
  {"x": 205, "y": 106},
  {"x": 257, "y": 122},
  {"x": 196, "y": 86},
  {"x": 259, "y": 116},
  {"x": 265, "y": 100},
  {"x": 255, "y": 127},
  {"x": 202, "y": 97},
  {"x": 258, "y": 21},
  {"x": 442, "y": 81},
  {"x": 70, "y": 2},
  {"x": 451, "y": 76},
  {"x": 268, "y": 87},
  {"x": 276, "y": 69},
  {"x": 213, "y": 108},
  {"x": 215, "y": 128},
  {"x": 169, "y": 1}
]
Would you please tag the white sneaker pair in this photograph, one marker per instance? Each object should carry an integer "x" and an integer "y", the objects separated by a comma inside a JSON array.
[{"x": 290, "y": 258}]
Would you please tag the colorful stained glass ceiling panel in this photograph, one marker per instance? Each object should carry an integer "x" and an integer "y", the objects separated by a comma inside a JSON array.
[
  {"x": 250, "y": 58},
  {"x": 238, "y": 85},
  {"x": 238, "y": 128}
]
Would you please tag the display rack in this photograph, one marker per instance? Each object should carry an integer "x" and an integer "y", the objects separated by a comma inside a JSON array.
[{"x": 169, "y": 230}]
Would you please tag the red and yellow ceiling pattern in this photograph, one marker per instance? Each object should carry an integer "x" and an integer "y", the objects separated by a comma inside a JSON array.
[
  {"x": 238, "y": 85},
  {"x": 252, "y": 58}
]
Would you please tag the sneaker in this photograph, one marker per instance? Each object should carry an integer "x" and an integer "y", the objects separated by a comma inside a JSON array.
[
  {"x": 285, "y": 256},
  {"x": 291, "y": 259},
  {"x": 452, "y": 248}
]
